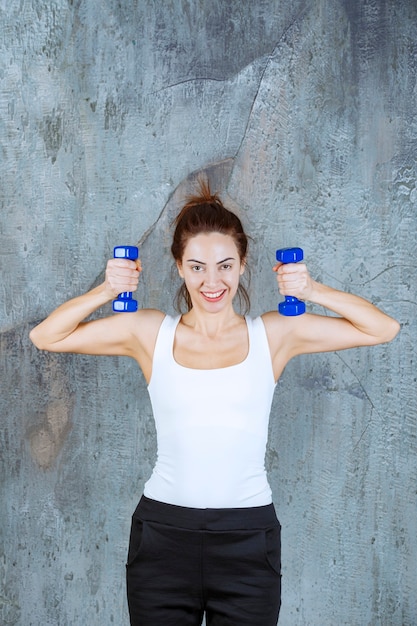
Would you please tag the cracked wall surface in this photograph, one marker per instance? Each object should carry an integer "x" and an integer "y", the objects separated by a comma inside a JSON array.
[{"x": 303, "y": 116}]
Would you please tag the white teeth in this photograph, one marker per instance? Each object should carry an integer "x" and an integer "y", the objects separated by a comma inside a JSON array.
[{"x": 213, "y": 295}]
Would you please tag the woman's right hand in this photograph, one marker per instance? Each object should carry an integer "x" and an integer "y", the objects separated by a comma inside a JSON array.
[{"x": 122, "y": 275}]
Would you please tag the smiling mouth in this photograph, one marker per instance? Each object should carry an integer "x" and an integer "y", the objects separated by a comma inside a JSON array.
[{"x": 213, "y": 296}]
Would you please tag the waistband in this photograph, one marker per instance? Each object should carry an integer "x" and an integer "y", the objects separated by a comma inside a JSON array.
[{"x": 206, "y": 519}]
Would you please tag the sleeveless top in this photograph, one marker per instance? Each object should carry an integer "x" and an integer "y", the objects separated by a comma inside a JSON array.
[{"x": 212, "y": 426}]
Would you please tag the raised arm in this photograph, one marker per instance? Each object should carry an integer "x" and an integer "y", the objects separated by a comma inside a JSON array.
[
  {"x": 357, "y": 321},
  {"x": 124, "y": 334}
]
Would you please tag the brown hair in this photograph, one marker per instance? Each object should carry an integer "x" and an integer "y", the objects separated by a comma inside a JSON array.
[{"x": 204, "y": 212}]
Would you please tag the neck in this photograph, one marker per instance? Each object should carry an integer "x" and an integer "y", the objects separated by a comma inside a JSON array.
[{"x": 211, "y": 324}]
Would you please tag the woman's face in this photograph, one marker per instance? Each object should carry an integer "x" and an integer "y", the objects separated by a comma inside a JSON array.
[{"x": 211, "y": 268}]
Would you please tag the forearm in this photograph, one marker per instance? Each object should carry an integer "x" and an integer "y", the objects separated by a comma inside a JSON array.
[
  {"x": 362, "y": 314},
  {"x": 66, "y": 318}
]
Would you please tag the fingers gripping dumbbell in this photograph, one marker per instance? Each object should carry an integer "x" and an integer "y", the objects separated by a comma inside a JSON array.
[
  {"x": 291, "y": 306},
  {"x": 125, "y": 302}
]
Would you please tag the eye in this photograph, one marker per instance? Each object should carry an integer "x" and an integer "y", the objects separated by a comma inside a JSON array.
[
  {"x": 197, "y": 268},
  {"x": 226, "y": 266}
]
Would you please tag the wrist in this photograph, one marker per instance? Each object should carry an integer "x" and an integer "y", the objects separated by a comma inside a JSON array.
[
  {"x": 318, "y": 293},
  {"x": 102, "y": 293}
]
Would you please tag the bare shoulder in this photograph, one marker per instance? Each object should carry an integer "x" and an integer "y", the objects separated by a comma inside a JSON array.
[
  {"x": 280, "y": 334},
  {"x": 271, "y": 318},
  {"x": 274, "y": 325},
  {"x": 143, "y": 328},
  {"x": 152, "y": 317},
  {"x": 278, "y": 331},
  {"x": 145, "y": 325}
]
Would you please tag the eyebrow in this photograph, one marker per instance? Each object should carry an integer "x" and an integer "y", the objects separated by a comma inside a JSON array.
[{"x": 230, "y": 258}]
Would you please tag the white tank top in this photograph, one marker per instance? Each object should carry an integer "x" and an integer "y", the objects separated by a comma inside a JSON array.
[{"x": 212, "y": 426}]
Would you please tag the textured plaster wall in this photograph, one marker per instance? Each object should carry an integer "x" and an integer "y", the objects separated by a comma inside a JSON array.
[{"x": 304, "y": 116}]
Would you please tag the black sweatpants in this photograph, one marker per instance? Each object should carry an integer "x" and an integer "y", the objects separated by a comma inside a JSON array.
[{"x": 183, "y": 562}]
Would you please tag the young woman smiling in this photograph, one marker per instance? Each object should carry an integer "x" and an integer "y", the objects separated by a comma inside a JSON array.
[{"x": 205, "y": 538}]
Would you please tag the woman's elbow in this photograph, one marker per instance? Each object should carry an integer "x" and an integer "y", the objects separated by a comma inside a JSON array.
[
  {"x": 396, "y": 327},
  {"x": 390, "y": 332},
  {"x": 36, "y": 338}
]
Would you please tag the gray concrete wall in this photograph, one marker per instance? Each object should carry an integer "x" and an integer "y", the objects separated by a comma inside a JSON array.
[{"x": 304, "y": 114}]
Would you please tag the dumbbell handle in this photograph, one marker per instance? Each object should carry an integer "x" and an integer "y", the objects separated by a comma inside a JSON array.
[
  {"x": 124, "y": 302},
  {"x": 291, "y": 306}
]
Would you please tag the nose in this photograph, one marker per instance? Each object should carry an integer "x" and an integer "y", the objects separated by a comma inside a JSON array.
[{"x": 211, "y": 277}]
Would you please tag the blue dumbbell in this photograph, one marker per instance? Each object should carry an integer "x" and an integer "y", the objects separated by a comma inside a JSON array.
[
  {"x": 125, "y": 302},
  {"x": 291, "y": 306}
]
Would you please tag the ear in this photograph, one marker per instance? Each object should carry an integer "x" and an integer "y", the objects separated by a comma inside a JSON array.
[
  {"x": 179, "y": 268},
  {"x": 242, "y": 266}
]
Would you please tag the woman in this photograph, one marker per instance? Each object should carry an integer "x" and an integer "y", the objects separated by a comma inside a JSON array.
[{"x": 205, "y": 537}]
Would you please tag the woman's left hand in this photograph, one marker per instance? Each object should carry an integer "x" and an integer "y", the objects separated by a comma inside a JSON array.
[{"x": 294, "y": 280}]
